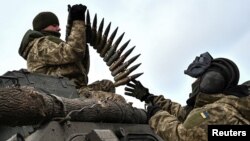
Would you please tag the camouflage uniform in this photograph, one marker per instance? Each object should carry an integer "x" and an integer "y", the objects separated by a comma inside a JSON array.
[
  {"x": 208, "y": 110},
  {"x": 50, "y": 55},
  {"x": 172, "y": 107}
]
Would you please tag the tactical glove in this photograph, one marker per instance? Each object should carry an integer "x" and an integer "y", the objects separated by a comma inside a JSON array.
[
  {"x": 77, "y": 12},
  {"x": 137, "y": 90}
]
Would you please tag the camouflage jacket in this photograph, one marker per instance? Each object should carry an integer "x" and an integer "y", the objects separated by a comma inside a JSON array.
[
  {"x": 208, "y": 110},
  {"x": 172, "y": 107},
  {"x": 50, "y": 55}
]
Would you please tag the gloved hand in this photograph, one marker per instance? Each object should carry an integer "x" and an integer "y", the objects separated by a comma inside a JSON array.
[
  {"x": 77, "y": 12},
  {"x": 151, "y": 110},
  {"x": 137, "y": 90}
]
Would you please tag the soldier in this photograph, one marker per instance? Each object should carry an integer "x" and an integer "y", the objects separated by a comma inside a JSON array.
[
  {"x": 216, "y": 98},
  {"x": 46, "y": 53}
]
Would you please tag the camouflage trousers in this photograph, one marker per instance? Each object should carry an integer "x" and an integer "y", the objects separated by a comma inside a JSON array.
[{"x": 101, "y": 90}]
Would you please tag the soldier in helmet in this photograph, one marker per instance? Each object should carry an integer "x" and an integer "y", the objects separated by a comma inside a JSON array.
[
  {"x": 216, "y": 98},
  {"x": 46, "y": 53}
]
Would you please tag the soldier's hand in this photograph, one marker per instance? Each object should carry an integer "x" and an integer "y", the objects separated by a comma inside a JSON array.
[
  {"x": 137, "y": 90},
  {"x": 77, "y": 12}
]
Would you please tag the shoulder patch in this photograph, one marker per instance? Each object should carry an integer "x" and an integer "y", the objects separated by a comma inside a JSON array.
[
  {"x": 55, "y": 39},
  {"x": 196, "y": 118},
  {"x": 204, "y": 114}
]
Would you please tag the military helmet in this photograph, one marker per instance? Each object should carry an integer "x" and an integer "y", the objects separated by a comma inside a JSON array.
[
  {"x": 221, "y": 75},
  {"x": 214, "y": 76},
  {"x": 43, "y": 20}
]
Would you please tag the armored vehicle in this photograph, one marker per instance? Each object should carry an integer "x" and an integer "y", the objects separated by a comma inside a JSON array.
[
  {"x": 66, "y": 129},
  {"x": 39, "y": 107}
]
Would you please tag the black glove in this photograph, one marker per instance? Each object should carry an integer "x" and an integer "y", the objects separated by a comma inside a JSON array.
[
  {"x": 151, "y": 110},
  {"x": 137, "y": 90},
  {"x": 77, "y": 12}
]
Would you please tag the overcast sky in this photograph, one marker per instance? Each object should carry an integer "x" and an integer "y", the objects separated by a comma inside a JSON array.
[{"x": 168, "y": 34}]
